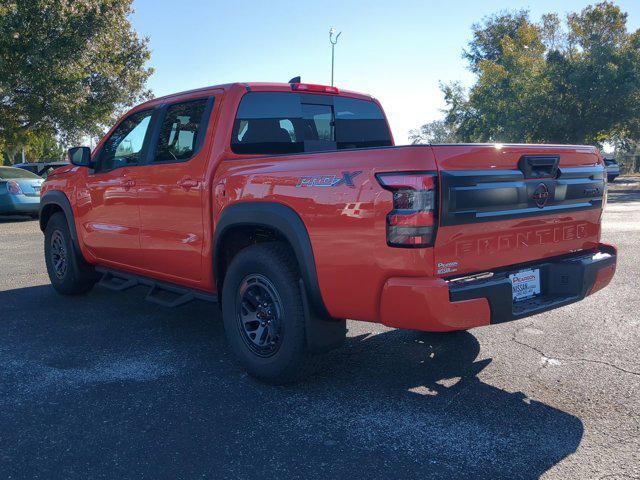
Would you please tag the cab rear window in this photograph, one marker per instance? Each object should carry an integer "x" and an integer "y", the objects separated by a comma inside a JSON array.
[{"x": 273, "y": 123}]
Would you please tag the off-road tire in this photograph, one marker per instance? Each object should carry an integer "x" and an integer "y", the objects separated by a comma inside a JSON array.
[
  {"x": 77, "y": 276},
  {"x": 272, "y": 261}
]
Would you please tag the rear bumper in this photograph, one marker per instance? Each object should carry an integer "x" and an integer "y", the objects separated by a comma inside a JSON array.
[{"x": 434, "y": 304}]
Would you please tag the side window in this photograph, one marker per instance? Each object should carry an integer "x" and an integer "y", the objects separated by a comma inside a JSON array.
[
  {"x": 268, "y": 123},
  {"x": 360, "y": 124},
  {"x": 124, "y": 146},
  {"x": 180, "y": 131}
]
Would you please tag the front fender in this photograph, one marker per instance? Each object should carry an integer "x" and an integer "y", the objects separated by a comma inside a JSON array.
[{"x": 59, "y": 199}]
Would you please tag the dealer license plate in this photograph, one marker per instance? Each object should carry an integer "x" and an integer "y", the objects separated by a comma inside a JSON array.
[{"x": 525, "y": 284}]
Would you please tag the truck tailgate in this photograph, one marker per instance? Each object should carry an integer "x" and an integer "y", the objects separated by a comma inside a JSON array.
[{"x": 503, "y": 205}]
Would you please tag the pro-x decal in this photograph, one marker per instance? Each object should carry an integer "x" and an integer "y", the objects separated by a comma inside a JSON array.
[{"x": 330, "y": 180}]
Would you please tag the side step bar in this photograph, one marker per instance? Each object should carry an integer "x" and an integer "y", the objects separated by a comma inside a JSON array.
[{"x": 161, "y": 293}]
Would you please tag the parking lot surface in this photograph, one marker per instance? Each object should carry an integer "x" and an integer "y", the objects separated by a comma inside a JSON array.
[{"x": 105, "y": 385}]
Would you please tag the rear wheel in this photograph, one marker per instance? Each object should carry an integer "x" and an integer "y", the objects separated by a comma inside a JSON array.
[
  {"x": 69, "y": 273},
  {"x": 263, "y": 313}
]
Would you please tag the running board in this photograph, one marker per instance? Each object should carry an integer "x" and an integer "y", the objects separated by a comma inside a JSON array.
[
  {"x": 116, "y": 283},
  {"x": 161, "y": 293}
]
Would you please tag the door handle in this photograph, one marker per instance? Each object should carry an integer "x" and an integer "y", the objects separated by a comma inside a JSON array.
[
  {"x": 188, "y": 183},
  {"x": 129, "y": 183}
]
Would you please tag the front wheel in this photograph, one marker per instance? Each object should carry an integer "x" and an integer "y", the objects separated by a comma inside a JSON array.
[
  {"x": 263, "y": 313},
  {"x": 68, "y": 271}
]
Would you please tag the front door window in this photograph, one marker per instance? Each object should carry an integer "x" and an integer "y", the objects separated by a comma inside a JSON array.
[{"x": 125, "y": 145}]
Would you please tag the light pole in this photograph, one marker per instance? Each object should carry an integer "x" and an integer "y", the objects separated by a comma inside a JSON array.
[{"x": 333, "y": 41}]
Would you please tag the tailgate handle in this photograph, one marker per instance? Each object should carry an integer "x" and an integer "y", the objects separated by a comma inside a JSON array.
[{"x": 539, "y": 166}]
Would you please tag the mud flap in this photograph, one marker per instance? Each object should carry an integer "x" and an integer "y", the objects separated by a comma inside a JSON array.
[{"x": 323, "y": 334}]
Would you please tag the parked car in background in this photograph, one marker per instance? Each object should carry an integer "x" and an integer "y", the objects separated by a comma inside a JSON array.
[
  {"x": 19, "y": 192},
  {"x": 41, "y": 168},
  {"x": 613, "y": 169}
]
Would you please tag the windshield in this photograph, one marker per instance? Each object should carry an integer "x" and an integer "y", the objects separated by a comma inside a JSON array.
[{"x": 7, "y": 173}]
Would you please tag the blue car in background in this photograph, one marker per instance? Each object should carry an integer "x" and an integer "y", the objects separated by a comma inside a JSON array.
[
  {"x": 41, "y": 168},
  {"x": 612, "y": 167},
  {"x": 19, "y": 192}
]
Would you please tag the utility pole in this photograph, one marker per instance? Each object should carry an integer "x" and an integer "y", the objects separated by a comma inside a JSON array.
[{"x": 333, "y": 42}]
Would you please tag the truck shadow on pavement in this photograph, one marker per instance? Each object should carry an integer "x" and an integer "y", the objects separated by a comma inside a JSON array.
[{"x": 106, "y": 385}]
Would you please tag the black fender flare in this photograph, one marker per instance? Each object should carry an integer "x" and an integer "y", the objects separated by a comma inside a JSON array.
[
  {"x": 289, "y": 225},
  {"x": 58, "y": 198}
]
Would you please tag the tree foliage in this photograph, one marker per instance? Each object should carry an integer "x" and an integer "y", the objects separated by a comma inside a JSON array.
[
  {"x": 35, "y": 146},
  {"x": 576, "y": 81},
  {"x": 437, "y": 131},
  {"x": 66, "y": 68}
]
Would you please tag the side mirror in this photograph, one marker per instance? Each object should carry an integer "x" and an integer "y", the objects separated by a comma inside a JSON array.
[{"x": 80, "y": 156}]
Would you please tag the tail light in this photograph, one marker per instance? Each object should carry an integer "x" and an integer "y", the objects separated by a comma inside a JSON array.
[
  {"x": 13, "y": 187},
  {"x": 413, "y": 220}
]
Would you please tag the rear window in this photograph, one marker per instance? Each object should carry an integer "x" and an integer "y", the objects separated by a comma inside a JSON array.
[
  {"x": 7, "y": 173},
  {"x": 274, "y": 123}
]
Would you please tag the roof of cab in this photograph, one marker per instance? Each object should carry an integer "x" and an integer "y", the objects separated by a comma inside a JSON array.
[{"x": 249, "y": 86}]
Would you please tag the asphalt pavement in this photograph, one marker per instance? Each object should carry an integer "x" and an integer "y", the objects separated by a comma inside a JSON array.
[{"x": 105, "y": 385}]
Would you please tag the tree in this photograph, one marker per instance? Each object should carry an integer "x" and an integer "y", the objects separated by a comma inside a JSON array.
[
  {"x": 67, "y": 68},
  {"x": 436, "y": 131},
  {"x": 487, "y": 37},
  {"x": 35, "y": 146},
  {"x": 577, "y": 82}
]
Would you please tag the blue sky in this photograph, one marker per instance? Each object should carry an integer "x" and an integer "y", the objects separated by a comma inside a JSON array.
[{"x": 397, "y": 51}]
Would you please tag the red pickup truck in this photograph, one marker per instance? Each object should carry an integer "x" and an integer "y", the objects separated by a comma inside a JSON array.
[{"x": 289, "y": 205}]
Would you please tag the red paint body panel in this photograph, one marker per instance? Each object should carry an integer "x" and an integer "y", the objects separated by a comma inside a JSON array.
[
  {"x": 159, "y": 229},
  {"x": 605, "y": 275},
  {"x": 173, "y": 201},
  {"x": 347, "y": 227},
  {"x": 108, "y": 217},
  {"x": 423, "y": 304}
]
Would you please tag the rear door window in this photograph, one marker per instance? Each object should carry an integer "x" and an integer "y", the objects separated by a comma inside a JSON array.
[
  {"x": 274, "y": 123},
  {"x": 181, "y": 131},
  {"x": 269, "y": 123}
]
